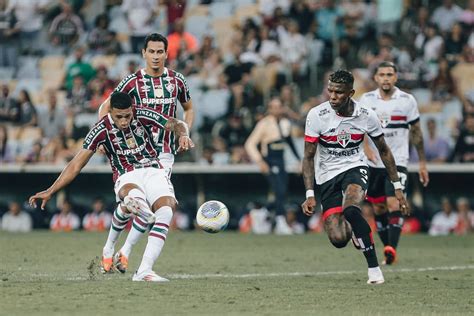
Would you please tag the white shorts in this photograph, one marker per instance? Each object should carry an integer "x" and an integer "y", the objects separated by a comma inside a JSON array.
[
  {"x": 167, "y": 160},
  {"x": 153, "y": 181}
]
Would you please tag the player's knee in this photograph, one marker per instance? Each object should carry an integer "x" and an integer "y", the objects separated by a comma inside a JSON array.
[
  {"x": 339, "y": 241},
  {"x": 165, "y": 201}
]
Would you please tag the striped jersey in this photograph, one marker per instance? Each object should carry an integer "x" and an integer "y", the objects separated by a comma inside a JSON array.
[
  {"x": 161, "y": 94},
  {"x": 395, "y": 115},
  {"x": 340, "y": 138},
  {"x": 129, "y": 149}
]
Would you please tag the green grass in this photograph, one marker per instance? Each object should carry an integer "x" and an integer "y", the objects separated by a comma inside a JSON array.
[{"x": 45, "y": 273}]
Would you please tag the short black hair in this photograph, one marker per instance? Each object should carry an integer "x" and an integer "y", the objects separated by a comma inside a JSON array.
[
  {"x": 120, "y": 100},
  {"x": 386, "y": 64},
  {"x": 342, "y": 76},
  {"x": 155, "y": 37}
]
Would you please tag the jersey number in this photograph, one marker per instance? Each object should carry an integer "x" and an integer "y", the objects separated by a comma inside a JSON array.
[{"x": 364, "y": 175}]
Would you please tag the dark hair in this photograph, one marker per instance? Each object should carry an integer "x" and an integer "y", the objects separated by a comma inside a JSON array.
[
  {"x": 342, "y": 76},
  {"x": 385, "y": 64},
  {"x": 120, "y": 100},
  {"x": 155, "y": 37}
]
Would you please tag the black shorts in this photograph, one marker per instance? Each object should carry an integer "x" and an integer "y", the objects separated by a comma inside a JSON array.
[
  {"x": 332, "y": 190},
  {"x": 380, "y": 185}
]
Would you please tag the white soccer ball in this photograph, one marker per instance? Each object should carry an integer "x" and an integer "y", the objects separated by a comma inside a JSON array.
[{"x": 212, "y": 216}]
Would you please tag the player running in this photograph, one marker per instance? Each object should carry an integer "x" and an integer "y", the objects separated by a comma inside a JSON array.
[
  {"x": 339, "y": 126},
  {"x": 141, "y": 182},
  {"x": 159, "y": 88},
  {"x": 400, "y": 119}
]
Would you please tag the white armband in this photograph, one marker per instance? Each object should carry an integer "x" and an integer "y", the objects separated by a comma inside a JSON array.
[
  {"x": 398, "y": 185},
  {"x": 309, "y": 193}
]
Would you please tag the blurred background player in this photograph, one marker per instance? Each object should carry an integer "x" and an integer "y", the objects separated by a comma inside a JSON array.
[
  {"x": 126, "y": 134},
  {"x": 339, "y": 126},
  {"x": 159, "y": 88},
  {"x": 400, "y": 119},
  {"x": 271, "y": 134},
  {"x": 99, "y": 219}
]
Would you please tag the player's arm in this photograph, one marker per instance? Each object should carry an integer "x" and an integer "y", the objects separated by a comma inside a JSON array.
[
  {"x": 308, "y": 176},
  {"x": 68, "y": 174},
  {"x": 389, "y": 162},
  {"x": 368, "y": 151},
  {"x": 104, "y": 108},
  {"x": 188, "y": 113},
  {"x": 182, "y": 130},
  {"x": 251, "y": 144},
  {"x": 416, "y": 137}
]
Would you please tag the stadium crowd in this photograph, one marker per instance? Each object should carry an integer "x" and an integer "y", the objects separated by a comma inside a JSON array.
[{"x": 60, "y": 59}]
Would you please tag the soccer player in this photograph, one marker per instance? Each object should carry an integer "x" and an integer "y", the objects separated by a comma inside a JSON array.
[
  {"x": 159, "y": 88},
  {"x": 400, "y": 119},
  {"x": 141, "y": 182},
  {"x": 339, "y": 126}
]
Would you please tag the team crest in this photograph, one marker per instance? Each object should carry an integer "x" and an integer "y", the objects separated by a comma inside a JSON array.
[
  {"x": 343, "y": 138},
  {"x": 139, "y": 131},
  {"x": 169, "y": 87},
  {"x": 158, "y": 91},
  {"x": 384, "y": 119},
  {"x": 131, "y": 142}
]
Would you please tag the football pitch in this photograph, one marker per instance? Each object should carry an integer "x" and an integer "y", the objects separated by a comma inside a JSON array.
[{"x": 44, "y": 273}]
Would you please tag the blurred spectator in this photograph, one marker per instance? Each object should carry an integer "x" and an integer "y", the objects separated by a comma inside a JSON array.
[
  {"x": 444, "y": 222},
  {"x": 78, "y": 95},
  {"x": 66, "y": 220},
  {"x": 446, "y": 15},
  {"x": 52, "y": 118},
  {"x": 443, "y": 87},
  {"x": 465, "y": 217},
  {"x": 436, "y": 147},
  {"x": 100, "y": 37},
  {"x": 78, "y": 68},
  {"x": 464, "y": 148},
  {"x": 33, "y": 155},
  {"x": 16, "y": 220},
  {"x": 328, "y": 19},
  {"x": 99, "y": 219},
  {"x": 9, "y": 107},
  {"x": 389, "y": 14},
  {"x": 207, "y": 156},
  {"x": 9, "y": 34},
  {"x": 429, "y": 43},
  {"x": 67, "y": 27},
  {"x": 140, "y": 16},
  {"x": 294, "y": 49},
  {"x": 234, "y": 132},
  {"x": 467, "y": 16},
  {"x": 175, "y": 10},
  {"x": 6, "y": 151},
  {"x": 454, "y": 43},
  {"x": 221, "y": 155},
  {"x": 292, "y": 220},
  {"x": 180, "y": 40},
  {"x": 28, "y": 115},
  {"x": 315, "y": 223},
  {"x": 29, "y": 14},
  {"x": 260, "y": 220},
  {"x": 300, "y": 11}
]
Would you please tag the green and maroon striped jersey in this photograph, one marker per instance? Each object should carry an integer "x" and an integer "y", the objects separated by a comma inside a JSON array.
[
  {"x": 128, "y": 149},
  {"x": 161, "y": 94}
]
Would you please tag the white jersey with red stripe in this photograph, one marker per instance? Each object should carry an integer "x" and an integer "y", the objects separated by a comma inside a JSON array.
[
  {"x": 340, "y": 138},
  {"x": 395, "y": 115}
]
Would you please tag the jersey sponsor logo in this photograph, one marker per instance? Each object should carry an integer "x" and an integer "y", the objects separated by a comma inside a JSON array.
[
  {"x": 93, "y": 133},
  {"x": 324, "y": 112},
  {"x": 344, "y": 153},
  {"x": 157, "y": 101},
  {"x": 150, "y": 114},
  {"x": 123, "y": 82},
  {"x": 343, "y": 138},
  {"x": 126, "y": 152}
]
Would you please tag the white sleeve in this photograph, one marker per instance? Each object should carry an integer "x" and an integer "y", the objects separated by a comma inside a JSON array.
[
  {"x": 413, "y": 114},
  {"x": 312, "y": 130},
  {"x": 374, "y": 128}
]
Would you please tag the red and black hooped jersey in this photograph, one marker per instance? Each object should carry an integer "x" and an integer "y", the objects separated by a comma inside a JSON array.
[
  {"x": 339, "y": 138},
  {"x": 396, "y": 115},
  {"x": 128, "y": 149},
  {"x": 161, "y": 94}
]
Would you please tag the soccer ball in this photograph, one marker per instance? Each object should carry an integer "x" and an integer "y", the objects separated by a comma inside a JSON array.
[{"x": 212, "y": 216}]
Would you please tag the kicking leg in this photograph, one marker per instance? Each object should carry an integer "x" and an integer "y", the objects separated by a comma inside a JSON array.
[{"x": 338, "y": 230}]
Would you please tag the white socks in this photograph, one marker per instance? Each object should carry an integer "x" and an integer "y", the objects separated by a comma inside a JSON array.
[
  {"x": 139, "y": 227},
  {"x": 156, "y": 238},
  {"x": 119, "y": 221}
]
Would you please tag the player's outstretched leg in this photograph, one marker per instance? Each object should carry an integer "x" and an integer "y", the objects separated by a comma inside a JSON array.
[
  {"x": 119, "y": 221},
  {"x": 156, "y": 241},
  {"x": 139, "y": 227},
  {"x": 338, "y": 230},
  {"x": 353, "y": 197}
]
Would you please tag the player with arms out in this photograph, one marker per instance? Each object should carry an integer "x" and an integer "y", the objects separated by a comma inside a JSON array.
[
  {"x": 334, "y": 132},
  {"x": 400, "y": 119},
  {"x": 141, "y": 182},
  {"x": 159, "y": 88}
]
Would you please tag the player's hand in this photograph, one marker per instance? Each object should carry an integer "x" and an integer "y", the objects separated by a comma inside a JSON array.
[
  {"x": 45, "y": 196},
  {"x": 185, "y": 143},
  {"x": 424, "y": 176},
  {"x": 309, "y": 205},
  {"x": 404, "y": 207},
  {"x": 101, "y": 150},
  {"x": 264, "y": 167}
]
